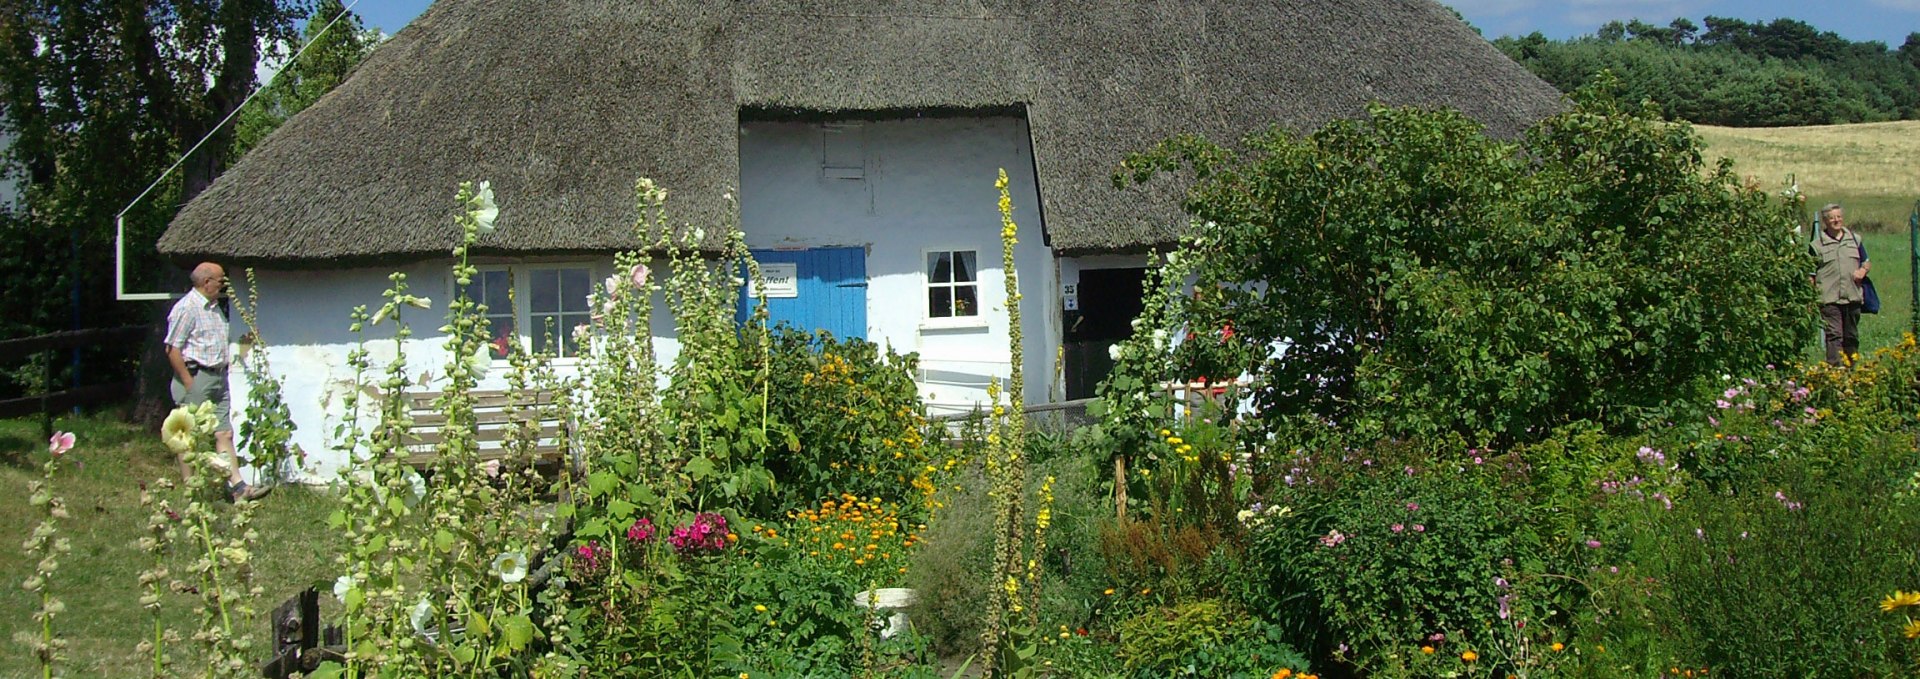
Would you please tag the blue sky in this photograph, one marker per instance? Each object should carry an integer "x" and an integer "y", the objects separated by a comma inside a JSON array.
[{"x": 1888, "y": 21}]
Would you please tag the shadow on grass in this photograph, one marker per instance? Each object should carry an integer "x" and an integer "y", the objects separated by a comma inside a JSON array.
[{"x": 16, "y": 450}]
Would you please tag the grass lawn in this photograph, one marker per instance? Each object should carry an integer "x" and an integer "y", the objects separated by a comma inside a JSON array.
[
  {"x": 1892, "y": 273},
  {"x": 99, "y": 579}
]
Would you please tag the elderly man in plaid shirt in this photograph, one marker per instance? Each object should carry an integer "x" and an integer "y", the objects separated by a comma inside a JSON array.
[{"x": 197, "y": 349}]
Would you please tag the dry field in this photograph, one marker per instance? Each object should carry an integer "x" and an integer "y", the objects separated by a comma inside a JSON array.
[{"x": 1872, "y": 168}]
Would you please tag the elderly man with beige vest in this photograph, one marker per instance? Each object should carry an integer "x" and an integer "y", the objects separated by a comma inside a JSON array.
[{"x": 1843, "y": 266}]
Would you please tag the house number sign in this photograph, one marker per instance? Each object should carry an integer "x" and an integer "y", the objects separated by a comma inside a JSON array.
[{"x": 783, "y": 279}]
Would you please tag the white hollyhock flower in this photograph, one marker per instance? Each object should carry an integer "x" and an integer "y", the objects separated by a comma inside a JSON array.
[
  {"x": 177, "y": 431},
  {"x": 484, "y": 210},
  {"x": 480, "y": 362},
  {"x": 422, "y": 619},
  {"x": 1116, "y": 351},
  {"x": 510, "y": 567},
  {"x": 418, "y": 484},
  {"x": 341, "y": 586},
  {"x": 420, "y": 302}
]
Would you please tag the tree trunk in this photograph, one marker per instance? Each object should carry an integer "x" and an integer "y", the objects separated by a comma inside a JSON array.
[{"x": 153, "y": 398}]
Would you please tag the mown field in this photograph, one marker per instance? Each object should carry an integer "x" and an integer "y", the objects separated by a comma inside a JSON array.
[{"x": 1872, "y": 168}]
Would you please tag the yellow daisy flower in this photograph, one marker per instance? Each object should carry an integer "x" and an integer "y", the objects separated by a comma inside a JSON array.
[{"x": 1899, "y": 600}]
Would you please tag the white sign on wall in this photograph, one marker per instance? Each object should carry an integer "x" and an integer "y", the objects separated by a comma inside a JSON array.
[{"x": 783, "y": 280}]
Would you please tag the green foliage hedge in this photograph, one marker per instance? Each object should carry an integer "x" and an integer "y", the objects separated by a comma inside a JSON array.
[
  {"x": 1425, "y": 278},
  {"x": 1782, "y": 73}
]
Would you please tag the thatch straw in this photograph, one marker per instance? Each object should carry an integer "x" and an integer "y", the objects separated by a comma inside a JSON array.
[{"x": 563, "y": 103}]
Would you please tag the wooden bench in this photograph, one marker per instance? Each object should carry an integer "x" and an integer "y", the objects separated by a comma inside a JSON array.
[{"x": 494, "y": 421}]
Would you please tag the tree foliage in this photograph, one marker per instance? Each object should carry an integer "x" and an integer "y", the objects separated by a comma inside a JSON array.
[
  {"x": 1735, "y": 72},
  {"x": 334, "y": 49},
  {"x": 99, "y": 97},
  {"x": 1425, "y": 278}
]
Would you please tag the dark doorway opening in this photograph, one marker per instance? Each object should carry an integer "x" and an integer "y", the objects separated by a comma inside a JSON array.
[{"x": 1108, "y": 300}]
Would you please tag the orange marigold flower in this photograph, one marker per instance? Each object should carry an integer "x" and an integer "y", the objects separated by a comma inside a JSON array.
[
  {"x": 1427, "y": 650},
  {"x": 1469, "y": 656}
]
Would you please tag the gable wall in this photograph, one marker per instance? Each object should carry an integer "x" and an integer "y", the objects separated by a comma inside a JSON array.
[{"x": 898, "y": 188}]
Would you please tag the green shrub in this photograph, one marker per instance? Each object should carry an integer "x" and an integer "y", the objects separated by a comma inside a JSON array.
[
  {"x": 1778, "y": 576},
  {"x": 1389, "y": 548},
  {"x": 946, "y": 572},
  {"x": 1436, "y": 280},
  {"x": 855, "y": 415},
  {"x": 1204, "y": 638},
  {"x": 957, "y": 547}
]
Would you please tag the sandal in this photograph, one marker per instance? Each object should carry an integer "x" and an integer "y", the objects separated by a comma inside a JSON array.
[{"x": 241, "y": 492}]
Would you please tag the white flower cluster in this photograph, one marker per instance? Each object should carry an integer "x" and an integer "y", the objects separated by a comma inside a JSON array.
[{"x": 1258, "y": 516}]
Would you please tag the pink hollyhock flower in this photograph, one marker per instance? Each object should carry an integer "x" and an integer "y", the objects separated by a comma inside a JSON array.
[
  {"x": 61, "y": 442},
  {"x": 1397, "y": 528}
]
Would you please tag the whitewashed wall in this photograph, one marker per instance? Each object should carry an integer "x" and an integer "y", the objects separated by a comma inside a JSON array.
[
  {"x": 304, "y": 318},
  {"x": 899, "y": 188}
]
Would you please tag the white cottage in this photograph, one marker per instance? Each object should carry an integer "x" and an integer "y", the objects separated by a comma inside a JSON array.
[{"x": 862, "y": 139}]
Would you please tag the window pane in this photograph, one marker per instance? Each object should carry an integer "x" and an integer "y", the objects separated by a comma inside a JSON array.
[
  {"x": 964, "y": 303},
  {"x": 574, "y": 286},
  {"x": 938, "y": 269},
  {"x": 963, "y": 267},
  {"x": 545, "y": 288},
  {"x": 939, "y": 302},
  {"x": 499, "y": 332},
  {"x": 570, "y": 345},
  {"x": 543, "y": 326},
  {"x": 497, "y": 284}
]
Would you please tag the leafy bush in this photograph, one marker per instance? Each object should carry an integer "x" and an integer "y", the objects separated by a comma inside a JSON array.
[
  {"x": 1437, "y": 280},
  {"x": 855, "y": 415},
  {"x": 1387, "y": 549},
  {"x": 1203, "y": 638},
  {"x": 1803, "y": 518},
  {"x": 946, "y": 571},
  {"x": 958, "y": 547}
]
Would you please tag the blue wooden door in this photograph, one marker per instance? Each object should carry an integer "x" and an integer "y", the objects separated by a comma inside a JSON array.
[{"x": 829, "y": 291}]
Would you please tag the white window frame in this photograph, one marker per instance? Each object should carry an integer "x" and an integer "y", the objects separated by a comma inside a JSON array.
[
  {"x": 927, "y": 320},
  {"x": 519, "y": 274}
]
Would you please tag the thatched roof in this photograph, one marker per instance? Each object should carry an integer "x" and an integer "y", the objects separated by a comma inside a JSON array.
[{"x": 564, "y": 103}]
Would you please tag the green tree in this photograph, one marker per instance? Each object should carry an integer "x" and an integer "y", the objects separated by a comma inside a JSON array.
[
  {"x": 100, "y": 96},
  {"x": 1425, "y": 278},
  {"x": 1784, "y": 72},
  {"x": 334, "y": 49}
]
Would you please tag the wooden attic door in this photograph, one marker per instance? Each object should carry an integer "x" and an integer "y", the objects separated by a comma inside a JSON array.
[{"x": 814, "y": 289}]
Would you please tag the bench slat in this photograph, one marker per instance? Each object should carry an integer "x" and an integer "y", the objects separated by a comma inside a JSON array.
[
  {"x": 547, "y": 453},
  {"x": 482, "y": 417},
  {"x": 420, "y": 401},
  {"x": 436, "y": 436}
]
